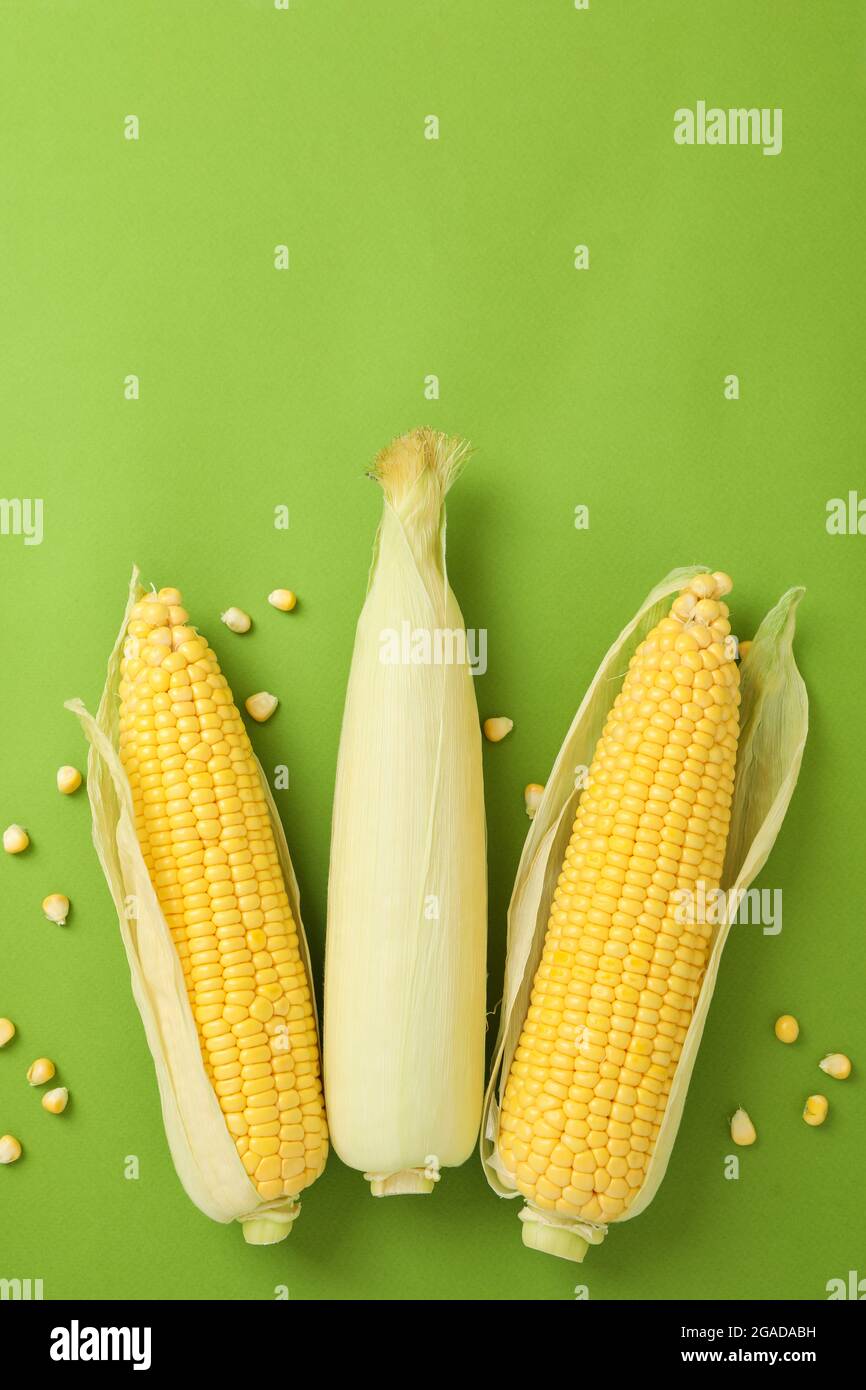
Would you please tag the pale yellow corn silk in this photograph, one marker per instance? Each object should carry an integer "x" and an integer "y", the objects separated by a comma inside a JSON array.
[
  {"x": 581, "y": 1121},
  {"x": 207, "y": 1156},
  {"x": 407, "y": 917}
]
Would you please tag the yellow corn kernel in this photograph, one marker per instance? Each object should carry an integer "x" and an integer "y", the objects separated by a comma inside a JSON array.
[
  {"x": 56, "y": 908},
  {"x": 7, "y": 1031},
  {"x": 56, "y": 1101},
  {"x": 283, "y": 599},
  {"x": 742, "y": 1130},
  {"x": 496, "y": 729},
  {"x": 236, "y": 620},
  {"x": 815, "y": 1110},
  {"x": 40, "y": 1071},
  {"x": 15, "y": 839},
  {"x": 787, "y": 1029},
  {"x": 10, "y": 1149},
  {"x": 835, "y": 1064},
  {"x": 261, "y": 706},
  {"x": 68, "y": 780}
]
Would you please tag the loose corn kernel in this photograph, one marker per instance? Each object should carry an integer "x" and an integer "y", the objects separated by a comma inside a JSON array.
[
  {"x": 15, "y": 839},
  {"x": 10, "y": 1149},
  {"x": 68, "y": 779},
  {"x": 56, "y": 908},
  {"x": 743, "y": 1132},
  {"x": 495, "y": 729},
  {"x": 236, "y": 620},
  {"x": 56, "y": 1101},
  {"x": 7, "y": 1031},
  {"x": 787, "y": 1028},
  {"x": 261, "y": 706},
  {"x": 284, "y": 599},
  {"x": 835, "y": 1064},
  {"x": 532, "y": 798},
  {"x": 815, "y": 1110},
  {"x": 40, "y": 1071}
]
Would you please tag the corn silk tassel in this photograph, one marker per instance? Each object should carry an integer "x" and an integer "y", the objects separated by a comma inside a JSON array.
[
  {"x": 195, "y": 856},
  {"x": 616, "y": 925},
  {"x": 407, "y": 899}
]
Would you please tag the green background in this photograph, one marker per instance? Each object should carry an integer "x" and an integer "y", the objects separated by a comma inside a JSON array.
[{"x": 601, "y": 387}]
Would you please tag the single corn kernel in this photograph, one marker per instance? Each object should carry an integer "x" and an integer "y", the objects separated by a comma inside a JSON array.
[
  {"x": 15, "y": 839},
  {"x": 10, "y": 1149},
  {"x": 261, "y": 706},
  {"x": 56, "y": 908},
  {"x": 787, "y": 1028},
  {"x": 744, "y": 649},
  {"x": 684, "y": 606},
  {"x": 40, "y": 1071},
  {"x": 532, "y": 798},
  {"x": 56, "y": 1101},
  {"x": 707, "y": 610},
  {"x": 742, "y": 1130},
  {"x": 724, "y": 583},
  {"x": 7, "y": 1031},
  {"x": 236, "y": 620},
  {"x": 835, "y": 1064},
  {"x": 815, "y": 1110},
  {"x": 68, "y": 780},
  {"x": 703, "y": 586},
  {"x": 284, "y": 599},
  {"x": 496, "y": 729}
]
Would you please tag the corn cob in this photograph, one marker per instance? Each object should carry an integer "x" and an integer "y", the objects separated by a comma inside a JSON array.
[
  {"x": 206, "y": 838},
  {"x": 621, "y": 968}
]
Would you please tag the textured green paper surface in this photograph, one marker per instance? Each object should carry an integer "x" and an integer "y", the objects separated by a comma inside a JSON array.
[{"x": 604, "y": 387}]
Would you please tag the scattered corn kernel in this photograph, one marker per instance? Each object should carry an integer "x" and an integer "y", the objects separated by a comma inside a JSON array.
[
  {"x": 787, "y": 1028},
  {"x": 532, "y": 797},
  {"x": 496, "y": 729},
  {"x": 744, "y": 649},
  {"x": 236, "y": 620},
  {"x": 742, "y": 1130},
  {"x": 815, "y": 1110},
  {"x": 15, "y": 839},
  {"x": 7, "y": 1031},
  {"x": 261, "y": 706},
  {"x": 56, "y": 908},
  {"x": 10, "y": 1149},
  {"x": 68, "y": 779},
  {"x": 835, "y": 1064},
  {"x": 56, "y": 1101},
  {"x": 40, "y": 1071},
  {"x": 283, "y": 599}
]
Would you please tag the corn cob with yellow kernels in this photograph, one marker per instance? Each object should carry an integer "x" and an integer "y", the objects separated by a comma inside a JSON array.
[
  {"x": 621, "y": 970},
  {"x": 206, "y": 838}
]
